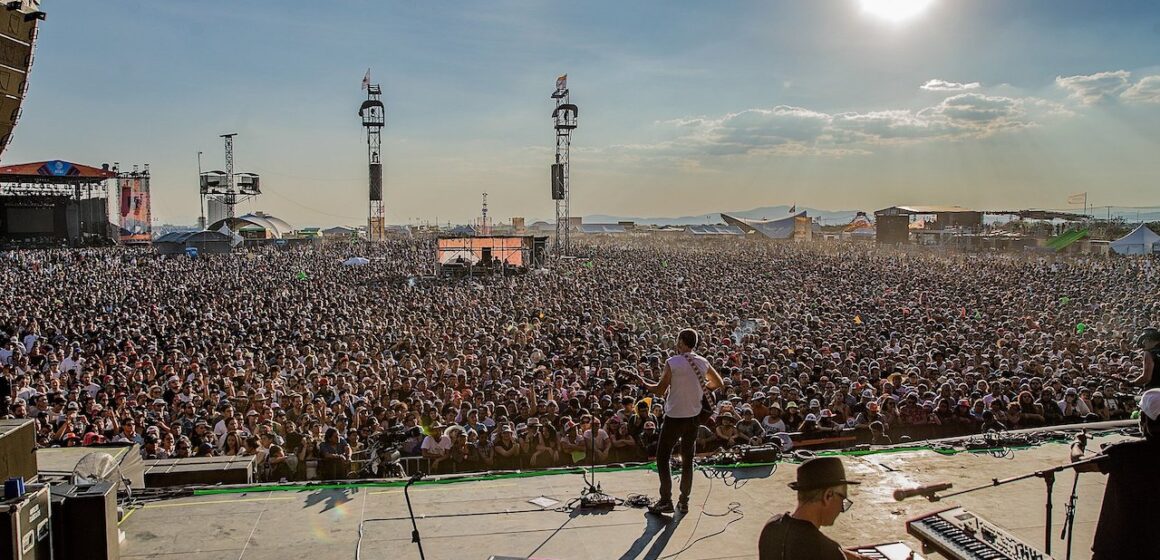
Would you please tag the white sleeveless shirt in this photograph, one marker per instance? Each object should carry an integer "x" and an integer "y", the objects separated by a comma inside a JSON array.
[{"x": 684, "y": 396}]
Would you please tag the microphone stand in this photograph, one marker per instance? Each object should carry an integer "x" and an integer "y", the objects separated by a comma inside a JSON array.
[
  {"x": 1048, "y": 476},
  {"x": 414, "y": 527}
]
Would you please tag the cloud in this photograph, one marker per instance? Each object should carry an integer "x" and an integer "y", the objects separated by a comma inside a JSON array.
[
  {"x": 943, "y": 85},
  {"x": 1147, "y": 90},
  {"x": 1093, "y": 89},
  {"x": 787, "y": 130}
]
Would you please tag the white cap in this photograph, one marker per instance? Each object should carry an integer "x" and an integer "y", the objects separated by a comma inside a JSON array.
[{"x": 1150, "y": 404}]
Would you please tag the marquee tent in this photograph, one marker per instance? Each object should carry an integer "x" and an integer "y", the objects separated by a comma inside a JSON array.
[{"x": 1142, "y": 241}]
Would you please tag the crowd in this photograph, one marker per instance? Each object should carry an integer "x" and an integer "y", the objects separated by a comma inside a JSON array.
[{"x": 309, "y": 365}]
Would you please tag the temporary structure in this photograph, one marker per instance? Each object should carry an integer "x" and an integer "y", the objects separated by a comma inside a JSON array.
[{"x": 1142, "y": 241}]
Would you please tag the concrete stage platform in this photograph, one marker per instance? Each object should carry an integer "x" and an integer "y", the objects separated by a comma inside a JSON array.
[{"x": 474, "y": 520}]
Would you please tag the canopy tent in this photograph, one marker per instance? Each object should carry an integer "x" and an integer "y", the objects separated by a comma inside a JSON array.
[
  {"x": 356, "y": 261},
  {"x": 714, "y": 230},
  {"x": 1142, "y": 241}
]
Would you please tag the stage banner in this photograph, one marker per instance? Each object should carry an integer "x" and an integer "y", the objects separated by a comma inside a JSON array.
[{"x": 135, "y": 219}]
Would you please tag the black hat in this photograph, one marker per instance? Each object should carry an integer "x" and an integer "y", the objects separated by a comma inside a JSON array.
[
  {"x": 820, "y": 472},
  {"x": 1147, "y": 335}
]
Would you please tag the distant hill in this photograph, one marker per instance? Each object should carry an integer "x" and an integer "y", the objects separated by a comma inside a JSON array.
[{"x": 762, "y": 213}]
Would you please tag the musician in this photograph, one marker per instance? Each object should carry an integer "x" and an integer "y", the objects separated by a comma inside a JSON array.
[
  {"x": 822, "y": 492},
  {"x": 682, "y": 379},
  {"x": 1131, "y": 510}
]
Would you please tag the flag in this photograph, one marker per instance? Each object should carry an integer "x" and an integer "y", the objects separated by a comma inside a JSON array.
[
  {"x": 664, "y": 264},
  {"x": 562, "y": 83},
  {"x": 366, "y": 83},
  {"x": 1080, "y": 328},
  {"x": 589, "y": 264},
  {"x": 978, "y": 315},
  {"x": 302, "y": 275},
  {"x": 1077, "y": 198},
  {"x": 1064, "y": 300}
]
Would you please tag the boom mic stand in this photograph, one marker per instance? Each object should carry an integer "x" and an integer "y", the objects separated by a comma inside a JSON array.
[{"x": 1048, "y": 476}]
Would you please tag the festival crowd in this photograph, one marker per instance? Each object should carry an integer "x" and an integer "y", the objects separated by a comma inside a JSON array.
[{"x": 312, "y": 366}]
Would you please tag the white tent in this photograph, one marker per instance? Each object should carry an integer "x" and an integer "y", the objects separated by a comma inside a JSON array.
[
  {"x": 355, "y": 261},
  {"x": 1142, "y": 241}
]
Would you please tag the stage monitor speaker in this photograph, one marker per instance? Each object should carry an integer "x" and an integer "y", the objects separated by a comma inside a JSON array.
[
  {"x": 198, "y": 471},
  {"x": 557, "y": 181},
  {"x": 376, "y": 175},
  {"x": 18, "y": 449},
  {"x": 25, "y": 526},
  {"x": 84, "y": 522}
]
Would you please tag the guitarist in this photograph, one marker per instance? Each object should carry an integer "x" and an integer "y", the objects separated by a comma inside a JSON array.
[{"x": 685, "y": 379}]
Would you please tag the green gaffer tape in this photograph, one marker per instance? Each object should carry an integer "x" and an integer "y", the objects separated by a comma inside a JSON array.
[{"x": 211, "y": 491}]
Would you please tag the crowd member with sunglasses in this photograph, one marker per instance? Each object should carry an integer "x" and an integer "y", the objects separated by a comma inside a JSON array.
[{"x": 823, "y": 494}]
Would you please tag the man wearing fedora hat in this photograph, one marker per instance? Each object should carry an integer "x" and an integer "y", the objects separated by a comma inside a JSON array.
[{"x": 822, "y": 494}]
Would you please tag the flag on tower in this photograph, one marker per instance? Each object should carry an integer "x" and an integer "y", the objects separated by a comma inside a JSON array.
[
  {"x": 366, "y": 83},
  {"x": 562, "y": 83},
  {"x": 1078, "y": 198}
]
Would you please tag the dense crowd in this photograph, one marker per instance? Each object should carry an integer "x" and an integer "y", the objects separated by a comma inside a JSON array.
[{"x": 310, "y": 365}]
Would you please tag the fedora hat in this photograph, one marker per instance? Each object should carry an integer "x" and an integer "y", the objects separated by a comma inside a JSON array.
[{"x": 820, "y": 472}]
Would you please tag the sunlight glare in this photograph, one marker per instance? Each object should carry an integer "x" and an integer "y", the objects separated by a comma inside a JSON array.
[{"x": 895, "y": 10}]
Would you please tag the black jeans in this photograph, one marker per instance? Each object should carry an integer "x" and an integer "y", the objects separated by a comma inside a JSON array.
[{"x": 684, "y": 429}]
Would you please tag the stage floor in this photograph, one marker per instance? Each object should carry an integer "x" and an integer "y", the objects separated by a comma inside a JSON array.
[{"x": 474, "y": 520}]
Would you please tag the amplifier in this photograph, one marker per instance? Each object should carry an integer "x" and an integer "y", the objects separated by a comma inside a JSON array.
[
  {"x": 18, "y": 449},
  {"x": 25, "y": 529},
  {"x": 84, "y": 522},
  {"x": 760, "y": 454},
  {"x": 199, "y": 471}
]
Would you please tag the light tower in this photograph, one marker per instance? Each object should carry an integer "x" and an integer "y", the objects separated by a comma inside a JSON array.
[
  {"x": 374, "y": 118},
  {"x": 564, "y": 121},
  {"x": 226, "y": 187}
]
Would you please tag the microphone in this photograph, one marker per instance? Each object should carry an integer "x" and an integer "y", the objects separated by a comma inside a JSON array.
[
  {"x": 927, "y": 491},
  {"x": 418, "y": 476}
]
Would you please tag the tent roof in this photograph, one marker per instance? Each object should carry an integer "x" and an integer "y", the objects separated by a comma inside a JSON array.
[
  {"x": 781, "y": 228},
  {"x": 715, "y": 229},
  {"x": 1139, "y": 236},
  {"x": 602, "y": 228}
]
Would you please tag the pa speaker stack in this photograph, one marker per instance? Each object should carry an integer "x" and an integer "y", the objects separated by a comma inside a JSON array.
[{"x": 17, "y": 40}]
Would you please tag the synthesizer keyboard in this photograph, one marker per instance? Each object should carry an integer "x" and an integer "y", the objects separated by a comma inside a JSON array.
[{"x": 961, "y": 535}]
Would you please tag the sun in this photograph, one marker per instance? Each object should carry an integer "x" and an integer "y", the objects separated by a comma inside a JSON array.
[{"x": 895, "y": 10}]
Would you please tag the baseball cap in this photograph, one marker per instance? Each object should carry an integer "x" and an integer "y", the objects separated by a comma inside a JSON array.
[{"x": 1150, "y": 404}]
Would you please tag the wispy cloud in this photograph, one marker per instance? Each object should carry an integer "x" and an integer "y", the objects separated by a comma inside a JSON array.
[
  {"x": 943, "y": 85},
  {"x": 786, "y": 130},
  {"x": 1147, "y": 90},
  {"x": 1093, "y": 89}
]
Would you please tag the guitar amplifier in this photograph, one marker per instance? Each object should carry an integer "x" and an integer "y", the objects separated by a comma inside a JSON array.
[
  {"x": 18, "y": 449},
  {"x": 25, "y": 527}
]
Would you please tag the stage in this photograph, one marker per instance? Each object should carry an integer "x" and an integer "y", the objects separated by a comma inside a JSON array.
[{"x": 477, "y": 519}]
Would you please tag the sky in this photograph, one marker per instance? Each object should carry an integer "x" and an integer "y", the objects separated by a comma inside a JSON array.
[{"x": 686, "y": 107}]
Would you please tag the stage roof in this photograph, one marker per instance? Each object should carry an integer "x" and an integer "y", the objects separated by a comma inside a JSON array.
[{"x": 54, "y": 171}]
